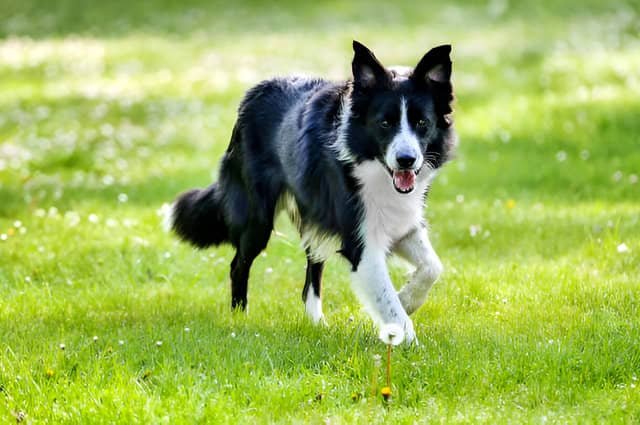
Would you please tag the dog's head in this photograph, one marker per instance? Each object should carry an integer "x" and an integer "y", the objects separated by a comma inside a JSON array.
[{"x": 402, "y": 117}]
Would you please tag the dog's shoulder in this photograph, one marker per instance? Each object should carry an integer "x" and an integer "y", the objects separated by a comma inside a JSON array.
[{"x": 282, "y": 86}]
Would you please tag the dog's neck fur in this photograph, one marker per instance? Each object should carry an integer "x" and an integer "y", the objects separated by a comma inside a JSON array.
[
  {"x": 388, "y": 215},
  {"x": 340, "y": 144}
]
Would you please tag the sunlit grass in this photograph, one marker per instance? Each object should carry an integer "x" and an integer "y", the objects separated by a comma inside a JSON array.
[{"x": 108, "y": 110}]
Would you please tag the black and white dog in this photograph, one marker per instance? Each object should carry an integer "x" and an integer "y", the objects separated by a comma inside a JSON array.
[{"x": 351, "y": 163}]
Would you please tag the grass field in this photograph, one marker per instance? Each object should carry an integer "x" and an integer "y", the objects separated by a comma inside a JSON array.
[{"x": 108, "y": 109}]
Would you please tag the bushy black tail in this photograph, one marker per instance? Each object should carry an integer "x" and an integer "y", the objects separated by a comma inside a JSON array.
[{"x": 197, "y": 217}]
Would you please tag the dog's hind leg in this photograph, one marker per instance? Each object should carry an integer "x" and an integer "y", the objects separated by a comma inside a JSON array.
[
  {"x": 312, "y": 290},
  {"x": 252, "y": 240},
  {"x": 416, "y": 248}
]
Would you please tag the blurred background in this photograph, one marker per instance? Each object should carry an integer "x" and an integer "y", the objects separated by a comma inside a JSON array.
[
  {"x": 99, "y": 96},
  {"x": 109, "y": 108}
]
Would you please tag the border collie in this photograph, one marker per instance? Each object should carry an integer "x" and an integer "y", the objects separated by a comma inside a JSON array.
[{"x": 351, "y": 163}]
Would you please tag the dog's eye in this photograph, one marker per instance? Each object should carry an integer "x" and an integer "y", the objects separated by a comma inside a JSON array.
[
  {"x": 422, "y": 123},
  {"x": 385, "y": 124}
]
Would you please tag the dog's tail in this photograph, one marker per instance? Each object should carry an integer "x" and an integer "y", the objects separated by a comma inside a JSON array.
[{"x": 197, "y": 217}]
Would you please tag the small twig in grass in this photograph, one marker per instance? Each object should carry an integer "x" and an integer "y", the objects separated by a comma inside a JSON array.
[
  {"x": 391, "y": 334},
  {"x": 389, "y": 365}
]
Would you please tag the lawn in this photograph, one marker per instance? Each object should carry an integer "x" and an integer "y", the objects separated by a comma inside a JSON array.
[{"x": 109, "y": 109}]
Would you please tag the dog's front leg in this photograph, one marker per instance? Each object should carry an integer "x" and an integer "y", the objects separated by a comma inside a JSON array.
[
  {"x": 373, "y": 286},
  {"x": 416, "y": 248}
]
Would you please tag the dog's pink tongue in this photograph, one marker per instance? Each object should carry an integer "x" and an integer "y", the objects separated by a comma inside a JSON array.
[{"x": 404, "y": 180}]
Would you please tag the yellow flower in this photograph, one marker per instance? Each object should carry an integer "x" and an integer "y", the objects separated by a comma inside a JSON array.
[
  {"x": 49, "y": 373},
  {"x": 386, "y": 393},
  {"x": 511, "y": 204}
]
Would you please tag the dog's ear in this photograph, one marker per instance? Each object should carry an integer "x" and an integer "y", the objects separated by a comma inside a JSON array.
[
  {"x": 367, "y": 70},
  {"x": 434, "y": 67},
  {"x": 434, "y": 71}
]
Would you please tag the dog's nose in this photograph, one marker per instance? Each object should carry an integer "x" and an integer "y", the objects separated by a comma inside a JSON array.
[{"x": 405, "y": 160}]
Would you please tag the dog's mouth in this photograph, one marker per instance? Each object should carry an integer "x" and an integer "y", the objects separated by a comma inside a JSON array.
[{"x": 404, "y": 181}]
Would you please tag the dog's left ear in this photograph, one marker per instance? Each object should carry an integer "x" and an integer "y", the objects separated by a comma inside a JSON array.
[
  {"x": 435, "y": 66},
  {"x": 367, "y": 70},
  {"x": 434, "y": 71}
]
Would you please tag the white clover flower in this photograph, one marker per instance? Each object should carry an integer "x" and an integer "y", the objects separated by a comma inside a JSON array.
[
  {"x": 622, "y": 248},
  {"x": 377, "y": 360},
  {"x": 108, "y": 180},
  {"x": 128, "y": 222},
  {"x": 391, "y": 333},
  {"x": 72, "y": 218}
]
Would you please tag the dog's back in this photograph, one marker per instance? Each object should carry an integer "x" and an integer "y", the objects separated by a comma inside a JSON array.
[
  {"x": 252, "y": 172},
  {"x": 263, "y": 160}
]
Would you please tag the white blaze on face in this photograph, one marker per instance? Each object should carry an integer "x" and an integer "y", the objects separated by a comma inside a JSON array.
[{"x": 404, "y": 142}]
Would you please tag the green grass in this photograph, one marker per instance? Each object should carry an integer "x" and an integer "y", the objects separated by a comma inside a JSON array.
[{"x": 110, "y": 109}]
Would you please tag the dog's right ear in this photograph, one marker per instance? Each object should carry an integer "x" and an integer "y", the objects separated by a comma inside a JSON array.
[
  {"x": 434, "y": 67},
  {"x": 367, "y": 70},
  {"x": 434, "y": 71}
]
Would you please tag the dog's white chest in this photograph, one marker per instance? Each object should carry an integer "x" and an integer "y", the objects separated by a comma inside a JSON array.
[{"x": 388, "y": 215}]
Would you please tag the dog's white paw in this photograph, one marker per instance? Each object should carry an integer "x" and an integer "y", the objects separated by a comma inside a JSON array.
[{"x": 313, "y": 308}]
